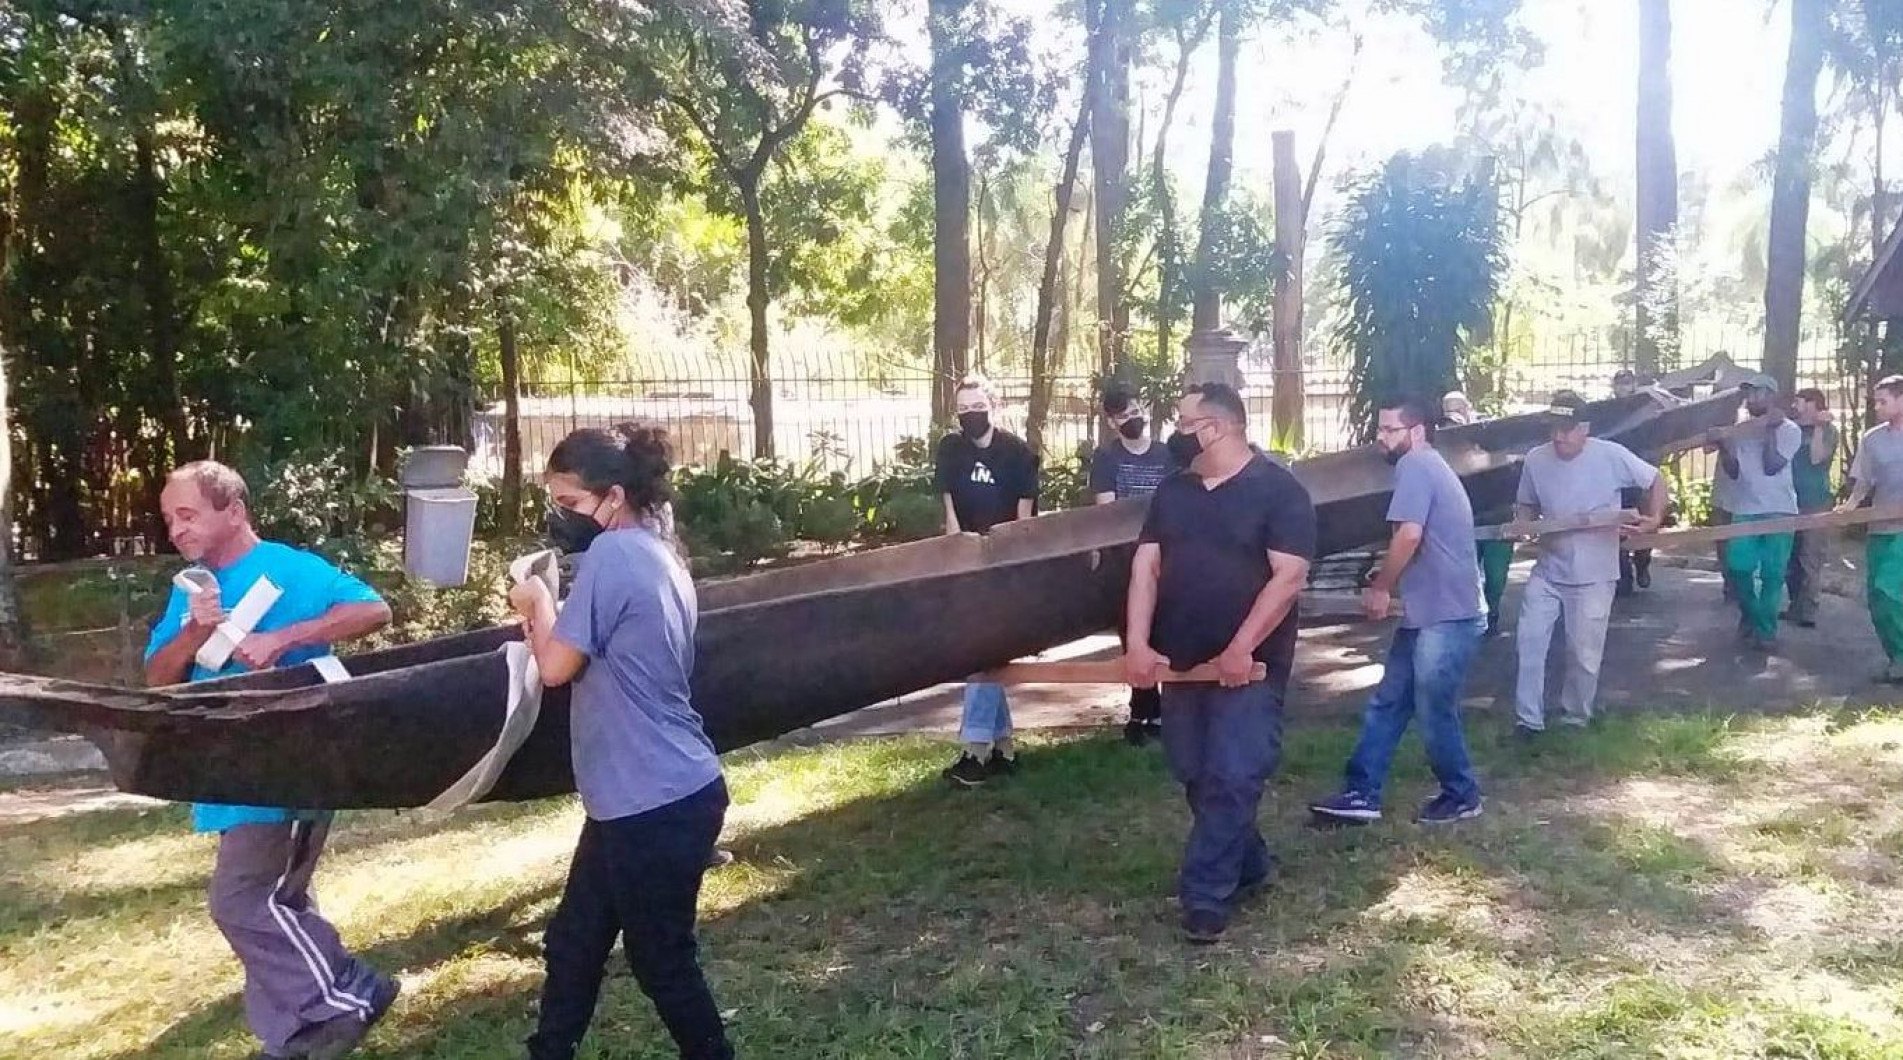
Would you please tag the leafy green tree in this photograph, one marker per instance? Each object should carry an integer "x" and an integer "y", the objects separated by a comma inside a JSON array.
[{"x": 1419, "y": 252}]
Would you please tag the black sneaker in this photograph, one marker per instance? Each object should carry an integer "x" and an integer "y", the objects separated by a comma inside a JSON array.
[
  {"x": 1135, "y": 733},
  {"x": 1527, "y": 735},
  {"x": 1002, "y": 765},
  {"x": 968, "y": 771},
  {"x": 1155, "y": 729},
  {"x": 1493, "y": 626},
  {"x": 1347, "y": 806},
  {"x": 1444, "y": 809},
  {"x": 1643, "y": 578},
  {"x": 1202, "y": 927}
]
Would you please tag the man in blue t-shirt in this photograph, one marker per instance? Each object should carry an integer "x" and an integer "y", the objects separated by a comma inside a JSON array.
[
  {"x": 305, "y": 995},
  {"x": 1430, "y": 560}
]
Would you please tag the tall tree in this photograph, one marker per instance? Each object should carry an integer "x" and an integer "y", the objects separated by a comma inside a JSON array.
[
  {"x": 1188, "y": 23},
  {"x": 1785, "y": 254},
  {"x": 1656, "y": 298},
  {"x": 1047, "y": 287},
  {"x": 1111, "y": 28},
  {"x": 746, "y": 115},
  {"x": 1206, "y": 313},
  {"x": 1418, "y": 253},
  {"x": 951, "y": 204}
]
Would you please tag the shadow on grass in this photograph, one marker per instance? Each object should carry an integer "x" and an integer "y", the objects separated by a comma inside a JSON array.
[{"x": 1032, "y": 918}]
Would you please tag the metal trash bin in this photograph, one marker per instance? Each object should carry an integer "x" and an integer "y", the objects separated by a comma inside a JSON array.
[{"x": 439, "y": 514}]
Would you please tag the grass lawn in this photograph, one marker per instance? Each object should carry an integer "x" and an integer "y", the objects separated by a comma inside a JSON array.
[{"x": 1670, "y": 886}]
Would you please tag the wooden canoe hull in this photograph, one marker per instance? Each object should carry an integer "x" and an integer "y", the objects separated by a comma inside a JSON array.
[{"x": 775, "y": 652}]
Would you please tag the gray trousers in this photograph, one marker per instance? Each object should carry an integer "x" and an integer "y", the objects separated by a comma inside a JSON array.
[
  {"x": 297, "y": 973},
  {"x": 1587, "y": 611}
]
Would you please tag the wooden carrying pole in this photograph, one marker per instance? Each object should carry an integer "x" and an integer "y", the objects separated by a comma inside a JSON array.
[
  {"x": 1783, "y": 525},
  {"x": 1534, "y": 528},
  {"x": 1103, "y": 672}
]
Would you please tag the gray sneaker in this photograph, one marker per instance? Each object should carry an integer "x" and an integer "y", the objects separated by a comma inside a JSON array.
[{"x": 339, "y": 1037}]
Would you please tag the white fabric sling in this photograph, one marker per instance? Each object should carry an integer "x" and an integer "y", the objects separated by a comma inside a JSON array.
[
  {"x": 525, "y": 697},
  {"x": 239, "y": 621}
]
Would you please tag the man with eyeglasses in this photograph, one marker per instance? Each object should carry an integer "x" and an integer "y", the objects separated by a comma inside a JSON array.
[
  {"x": 1131, "y": 464},
  {"x": 1220, "y": 563},
  {"x": 1429, "y": 561}
]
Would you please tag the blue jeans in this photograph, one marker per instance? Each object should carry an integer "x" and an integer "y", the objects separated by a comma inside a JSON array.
[
  {"x": 1222, "y": 744},
  {"x": 987, "y": 715},
  {"x": 1425, "y": 671}
]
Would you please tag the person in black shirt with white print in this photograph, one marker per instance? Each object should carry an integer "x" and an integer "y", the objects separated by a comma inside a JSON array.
[
  {"x": 1220, "y": 563},
  {"x": 986, "y": 476}
]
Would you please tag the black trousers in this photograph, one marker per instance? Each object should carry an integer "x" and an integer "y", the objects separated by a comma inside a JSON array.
[{"x": 637, "y": 879}]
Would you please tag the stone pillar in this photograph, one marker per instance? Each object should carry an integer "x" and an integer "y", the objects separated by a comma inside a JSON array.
[{"x": 1214, "y": 357}]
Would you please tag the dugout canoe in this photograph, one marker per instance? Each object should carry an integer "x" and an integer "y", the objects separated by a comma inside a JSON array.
[{"x": 776, "y": 651}]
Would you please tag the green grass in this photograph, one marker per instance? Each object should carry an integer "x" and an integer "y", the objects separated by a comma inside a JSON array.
[{"x": 1662, "y": 886}]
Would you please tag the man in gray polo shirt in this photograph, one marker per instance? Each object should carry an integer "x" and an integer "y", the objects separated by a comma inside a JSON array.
[
  {"x": 1430, "y": 559},
  {"x": 1877, "y": 476},
  {"x": 1754, "y": 462},
  {"x": 1577, "y": 571}
]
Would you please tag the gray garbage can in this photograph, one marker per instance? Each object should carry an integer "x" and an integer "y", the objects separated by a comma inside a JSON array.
[{"x": 439, "y": 515}]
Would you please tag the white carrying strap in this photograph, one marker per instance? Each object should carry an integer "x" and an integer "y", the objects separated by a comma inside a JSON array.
[
  {"x": 238, "y": 623},
  {"x": 525, "y": 697}
]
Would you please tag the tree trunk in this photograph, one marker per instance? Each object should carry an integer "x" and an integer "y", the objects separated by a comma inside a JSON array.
[
  {"x": 1879, "y": 194},
  {"x": 1110, "y": 161},
  {"x": 1790, "y": 192},
  {"x": 1047, "y": 283},
  {"x": 510, "y": 517},
  {"x": 951, "y": 211},
  {"x": 981, "y": 275},
  {"x": 1656, "y": 317},
  {"x": 759, "y": 376},
  {"x": 1169, "y": 244},
  {"x": 1289, "y": 397},
  {"x": 1207, "y": 312}
]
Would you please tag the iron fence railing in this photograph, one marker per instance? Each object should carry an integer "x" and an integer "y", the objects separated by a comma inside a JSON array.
[{"x": 853, "y": 422}]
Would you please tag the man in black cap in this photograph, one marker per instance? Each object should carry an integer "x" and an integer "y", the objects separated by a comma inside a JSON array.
[{"x": 1577, "y": 570}]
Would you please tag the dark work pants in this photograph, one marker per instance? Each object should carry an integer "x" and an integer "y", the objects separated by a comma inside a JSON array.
[
  {"x": 1222, "y": 745},
  {"x": 637, "y": 879}
]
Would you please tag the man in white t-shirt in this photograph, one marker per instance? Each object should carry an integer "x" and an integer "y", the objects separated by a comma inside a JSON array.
[{"x": 1577, "y": 571}]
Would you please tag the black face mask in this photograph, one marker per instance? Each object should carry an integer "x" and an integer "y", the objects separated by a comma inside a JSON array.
[
  {"x": 1185, "y": 447},
  {"x": 975, "y": 425},
  {"x": 570, "y": 530},
  {"x": 1132, "y": 429}
]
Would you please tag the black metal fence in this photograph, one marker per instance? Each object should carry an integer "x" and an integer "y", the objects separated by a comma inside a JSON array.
[{"x": 851, "y": 422}]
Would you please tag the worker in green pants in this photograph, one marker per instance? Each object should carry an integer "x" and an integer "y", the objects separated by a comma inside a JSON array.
[
  {"x": 1876, "y": 475},
  {"x": 1754, "y": 461},
  {"x": 1496, "y": 558}
]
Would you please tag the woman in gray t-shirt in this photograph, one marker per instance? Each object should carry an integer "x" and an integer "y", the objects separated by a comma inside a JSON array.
[{"x": 647, "y": 773}]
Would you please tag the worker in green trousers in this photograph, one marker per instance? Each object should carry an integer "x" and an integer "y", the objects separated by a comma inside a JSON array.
[
  {"x": 1876, "y": 475},
  {"x": 1754, "y": 461}
]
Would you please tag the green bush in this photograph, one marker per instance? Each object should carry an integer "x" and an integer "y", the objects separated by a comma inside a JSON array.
[{"x": 1066, "y": 481}]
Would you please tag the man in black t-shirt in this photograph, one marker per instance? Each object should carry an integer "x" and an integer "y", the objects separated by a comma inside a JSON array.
[
  {"x": 1219, "y": 565},
  {"x": 986, "y": 476},
  {"x": 1131, "y": 465}
]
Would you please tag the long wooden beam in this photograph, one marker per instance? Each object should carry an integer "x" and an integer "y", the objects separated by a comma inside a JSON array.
[
  {"x": 1515, "y": 531},
  {"x": 1100, "y": 672},
  {"x": 1699, "y": 535}
]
